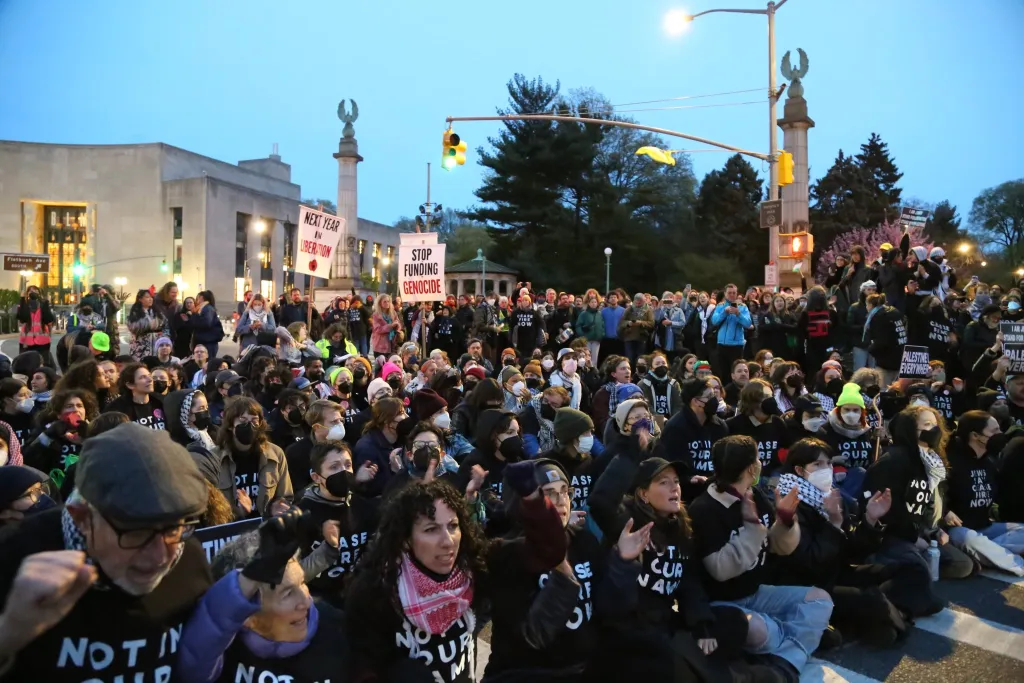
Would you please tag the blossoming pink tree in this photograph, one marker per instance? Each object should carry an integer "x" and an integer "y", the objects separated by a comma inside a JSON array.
[{"x": 870, "y": 239}]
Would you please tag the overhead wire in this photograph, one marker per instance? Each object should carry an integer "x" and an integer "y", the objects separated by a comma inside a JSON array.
[{"x": 612, "y": 107}]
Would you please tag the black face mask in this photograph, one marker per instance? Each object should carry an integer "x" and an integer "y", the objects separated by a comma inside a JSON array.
[
  {"x": 931, "y": 437},
  {"x": 711, "y": 406},
  {"x": 995, "y": 444},
  {"x": 547, "y": 411},
  {"x": 795, "y": 381},
  {"x": 340, "y": 483},
  {"x": 770, "y": 406},
  {"x": 533, "y": 382},
  {"x": 44, "y": 502},
  {"x": 394, "y": 383},
  {"x": 294, "y": 415},
  {"x": 274, "y": 388},
  {"x": 33, "y": 296},
  {"x": 872, "y": 391},
  {"x": 422, "y": 456},
  {"x": 235, "y": 389},
  {"x": 508, "y": 361},
  {"x": 641, "y": 370},
  {"x": 345, "y": 387},
  {"x": 661, "y": 372},
  {"x": 470, "y": 384},
  {"x": 245, "y": 433},
  {"x": 512, "y": 449},
  {"x": 202, "y": 420},
  {"x": 159, "y": 386},
  {"x": 358, "y": 374},
  {"x": 834, "y": 387}
]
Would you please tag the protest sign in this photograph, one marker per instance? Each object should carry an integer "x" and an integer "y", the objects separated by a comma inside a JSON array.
[
  {"x": 319, "y": 235},
  {"x": 1013, "y": 346},
  {"x": 421, "y": 267},
  {"x": 914, "y": 364},
  {"x": 214, "y": 538}
]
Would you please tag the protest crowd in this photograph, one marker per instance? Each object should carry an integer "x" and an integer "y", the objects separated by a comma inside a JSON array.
[{"x": 697, "y": 486}]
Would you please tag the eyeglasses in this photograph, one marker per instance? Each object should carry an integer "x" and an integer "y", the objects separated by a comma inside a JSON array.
[
  {"x": 556, "y": 496},
  {"x": 134, "y": 539}
]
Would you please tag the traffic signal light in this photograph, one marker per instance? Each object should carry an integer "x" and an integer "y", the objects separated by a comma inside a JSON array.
[
  {"x": 785, "y": 167},
  {"x": 796, "y": 245},
  {"x": 453, "y": 150},
  {"x": 78, "y": 270},
  {"x": 163, "y": 266}
]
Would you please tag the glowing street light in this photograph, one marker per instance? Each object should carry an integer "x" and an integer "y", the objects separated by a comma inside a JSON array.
[
  {"x": 385, "y": 261},
  {"x": 1020, "y": 272},
  {"x": 984, "y": 263},
  {"x": 964, "y": 248},
  {"x": 120, "y": 281},
  {"x": 676, "y": 22},
  {"x": 259, "y": 226}
]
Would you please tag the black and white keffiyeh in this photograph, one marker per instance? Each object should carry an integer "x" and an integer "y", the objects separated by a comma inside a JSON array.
[
  {"x": 200, "y": 436},
  {"x": 936, "y": 469},
  {"x": 805, "y": 491}
]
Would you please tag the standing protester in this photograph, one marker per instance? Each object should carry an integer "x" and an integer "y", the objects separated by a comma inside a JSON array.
[
  {"x": 526, "y": 329},
  {"x": 146, "y": 325},
  {"x": 590, "y": 323},
  {"x": 661, "y": 391},
  {"x": 113, "y": 566},
  {"x": 36, "y": 320},
  {"x": 255, "y": 319},
  {"x": 611, "y": 314},
  {"x": 181, "y": 328},
  {"x": 166, "y": 305},
  {"x": 732, "y": 319},
  {"x": 207, "y": 328},
  {"x": 387, "y": 327},
  {"x": 635, "y": 328}
]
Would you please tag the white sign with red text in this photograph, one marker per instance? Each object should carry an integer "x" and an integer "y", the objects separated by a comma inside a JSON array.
[
  {"x": 421, "y": 267},
  {"x": 319, "y": 235}
]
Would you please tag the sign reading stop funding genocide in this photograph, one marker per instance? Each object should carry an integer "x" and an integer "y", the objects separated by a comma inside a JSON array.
[
  {"x": 421, "y": 267},
  {"x": 1013, "y": 346},
  {"x": 319, "y": 235},
  {"x": 914, "y": 364}
]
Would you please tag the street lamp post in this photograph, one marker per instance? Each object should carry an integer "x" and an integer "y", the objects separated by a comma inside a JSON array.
[
  {"x": 607, "y": 270},
  {"x": 773, "y": 167}
]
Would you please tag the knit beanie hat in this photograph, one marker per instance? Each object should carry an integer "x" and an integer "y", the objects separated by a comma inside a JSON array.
[
  {"x": 534, "y": 368},
  {"x": 389, "y": 369},
  {"x": 506, "y": 353},
  {"x": 476, "y": 371},
  {"x": 986, "y": 397},
  {"x": 425, "y": 403},
  {"x": 376, "y": 386},
  {"x": 851, "y": 396},
  {"x": 623, "y": 410},
  {"x": 164, "y": 341},
  {"x": 834, "y": 364},
  {"x": 570, "y": 423},
  {"x": 701, "y": 364},
  {"x": 508, "y": 373},
  {"x": 624, "y": 391}
]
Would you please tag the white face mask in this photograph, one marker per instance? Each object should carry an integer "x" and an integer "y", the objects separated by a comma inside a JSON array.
[
  {"x": 821, "y": 479},
  {"x": 813, "y": 424},
  {"x": 569, "y": 367},
  {"x": 518, "y": 388},
  {"x": 585, "y": 444},
  {"x": 337, "y": 432},
  {"x": 852, "y": 417},
  {"x": 920, "y": 402},
  {"x": 25, "y": 405},
  {"x": 547, "y": 364},
  {"x": 443, "y": 421},
  {"x": 258, "y": 309}
]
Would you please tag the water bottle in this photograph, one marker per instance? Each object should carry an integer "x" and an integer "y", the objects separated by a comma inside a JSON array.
[{"x": 933, "y": 559}]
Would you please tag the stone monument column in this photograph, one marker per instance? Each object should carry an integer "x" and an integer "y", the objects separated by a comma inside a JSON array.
[
  {"x": 345, "y": 269},
  {"x": 795, "y": 196}
]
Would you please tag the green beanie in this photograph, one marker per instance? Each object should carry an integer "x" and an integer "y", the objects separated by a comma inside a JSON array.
[
  {"x": 851, "y": 396},
  {"x": 569, "y": 424}
]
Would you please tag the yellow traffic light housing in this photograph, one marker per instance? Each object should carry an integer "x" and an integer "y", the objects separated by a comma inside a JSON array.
[
  {"x": 795, "y": 245},
  {"x": 785, "y": 167},
  {"x": 453, "y": 150}
]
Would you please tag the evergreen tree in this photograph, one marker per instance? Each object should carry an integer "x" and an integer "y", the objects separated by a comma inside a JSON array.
[
  {"x": 943, "y": 226},
  {"x": 727, "y": 218},
  {"x": 836, "y": 201},
  {"x": 997, "y": 215},
  {"x": 882, "y": 200}
]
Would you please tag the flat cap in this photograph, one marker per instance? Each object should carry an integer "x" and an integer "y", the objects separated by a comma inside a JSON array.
[{"x": 138, "y": 476}]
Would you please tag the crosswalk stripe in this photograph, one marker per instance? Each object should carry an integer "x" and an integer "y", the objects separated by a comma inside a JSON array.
[
  {"x": 1002, "y": 576},
  {"x": 818, "y": 671},
  {"x": 967, "y": 628}
]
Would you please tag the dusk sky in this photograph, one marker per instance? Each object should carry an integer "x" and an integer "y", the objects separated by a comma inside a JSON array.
[{"x": 940, "y": 81}]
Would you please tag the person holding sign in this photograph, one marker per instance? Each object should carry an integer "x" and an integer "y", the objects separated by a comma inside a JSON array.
[{"x": 887, "y": 334}]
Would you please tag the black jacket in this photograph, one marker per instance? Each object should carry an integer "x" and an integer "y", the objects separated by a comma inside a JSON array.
[
  {"x": 971, "y": 486},
  {"x": 901, "y": 471},
  {"x": 887, "y": 335},
  {"x": 771, "y": 437},
  {"x": 684, "y": 439}
]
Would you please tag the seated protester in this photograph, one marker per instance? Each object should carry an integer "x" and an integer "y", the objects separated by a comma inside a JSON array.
[
  {"x": 193, "y": 369},
  {"x": 623, "y": 393},
  {"x": 325, "y": 424},
  {"x": 226, "y": 384},
  {"x": 702, "y": 370},
  {"x": 10, "y": 447},
  {"x": 394, "y": 377},
  {"x": 971, "y": 489},
  {"x": 740, "y": 373},
  {"x": 125, "y": 530},
  {"x": 537, "y": 420},
  {"x": 253, "y": 473},
  {"x": 515, "y": 393},
  {"x": 689, "y": 436},
  {"x": 87, "y": 375},
  {"x": 758, "y": 417},
  {"x": 42, "y": 383},
  {"x": 808, "y": 418},
  {"x": 188, "y": 418},
  {"x": 737, "y": 536},
  {"x": 294, "y": 344},
  {"x": 424, "y": 458},
  {"x": 481, "y": 394},
  {"x": 380, "y": 437},
  {"x": 285, "y": 420},
  {"x": 338, "y": 515},
  {"x": 828, "y": 384},
  {"x": 831, "y": 542},
  {"x": 417, "y": 590},
  {"x": 648, "y": 640},
  {"x": 913, "y": 468},
  {"x": 566, "y": 376},
  {"x": 661, "y": 391},
  {"x": 627, "y": 414},
  {"x": 18, "y": 408},
  {"x": 136, "y": 399},
  {"x": 551, "y": 581},
  {"x": 615, "y": 372},
  {"x": 788, "y": 380},
  {"x": 948, "y": 397},
  {"x": 725, "y": 411},
  {"x": 64, "y": 423},
  {"x": 259, "y": 617},
  {"x": 377, "y": 391},
  {"x": 855, "y": 445},
  {"x": 334, "y": 345},
  {"x": 259, "y": 368},
  {"x": 427, "y": 406},
  {"x": 498, "y": 444},
  {"x": 870, "y": 382},
  {"x": 24, "y": 491},
  {"x": 574, "y": 450},
  {"x": 533, "y": 374},
  {"x": 162, "y": 382},
  {"x": 164, "y": 351},
  {"x": 275, "y": 381}
]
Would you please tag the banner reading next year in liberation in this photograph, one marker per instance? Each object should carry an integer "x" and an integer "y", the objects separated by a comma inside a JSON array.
[
  {"x": 319, "y": 234},
  {"x": 421, "y": 267}
]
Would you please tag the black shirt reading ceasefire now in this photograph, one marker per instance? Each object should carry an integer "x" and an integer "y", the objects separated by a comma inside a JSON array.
[{"x": 109, "y": 636}]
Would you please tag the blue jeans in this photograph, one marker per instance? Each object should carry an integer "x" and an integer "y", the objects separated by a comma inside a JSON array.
[
  {"x": 361, "y": 345},
  {"x": 862, "y": 359},
  {"x": 795, "y": 621},
  {"x": 1009, "y": 535},
  {"x": 635, "y": 349},
  {"x": 212, "y": 348}
]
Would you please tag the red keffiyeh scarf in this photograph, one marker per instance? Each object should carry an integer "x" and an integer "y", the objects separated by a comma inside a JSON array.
[{"x": 430, "y": 605}]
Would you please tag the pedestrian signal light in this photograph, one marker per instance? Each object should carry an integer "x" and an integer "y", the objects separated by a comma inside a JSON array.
[
  {"x": 785, "y": 168},
  {"x": 78, "y": 270},
  {"x": 453, "y": 150},
  {"x": 796, "y": 245},
  {"x": 163, "y": 266}
]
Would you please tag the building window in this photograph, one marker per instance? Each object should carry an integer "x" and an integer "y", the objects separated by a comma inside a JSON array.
[
  {"x": 241, "y": 244},
  {"x": 391, "y": 265},
  {"x": 376, "y": 250},
  {"x": 289, "y": 254},
  {"x": 362, "y": 247},
  {"x": 267, "y": 289},
  {"x": 176, "y": 223},
  {"x": 239, "y": 289},
  {"x": 64, "y": 237}
]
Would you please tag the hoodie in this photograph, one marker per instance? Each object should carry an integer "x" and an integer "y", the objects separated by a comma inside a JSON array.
[
  {"x": 851, "y": 446},
  {"x": 177, "y": 408}
]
